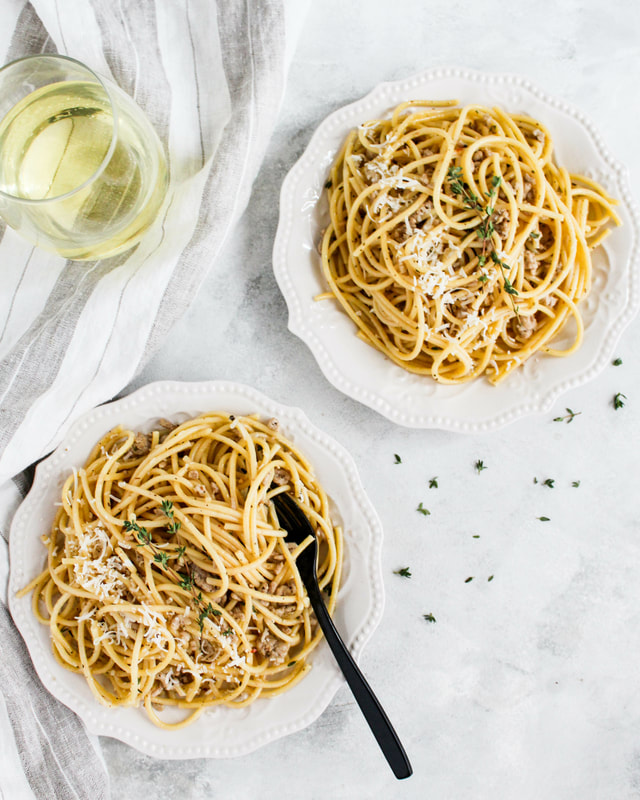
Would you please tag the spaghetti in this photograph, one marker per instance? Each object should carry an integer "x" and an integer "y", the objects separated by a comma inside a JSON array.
[
  {"x": 456, "y": 244},
  {"x": 169, "y": 581}
]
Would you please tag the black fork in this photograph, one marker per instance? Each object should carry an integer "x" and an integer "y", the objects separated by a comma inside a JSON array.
[{"x": 294, "y": 521}]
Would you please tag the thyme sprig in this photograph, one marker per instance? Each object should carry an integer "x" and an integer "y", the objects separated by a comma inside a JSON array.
[
  {"x": 183, "y": 579},
  {"x": 485, "y": 228},
  {"x": 568, "y": 417}
]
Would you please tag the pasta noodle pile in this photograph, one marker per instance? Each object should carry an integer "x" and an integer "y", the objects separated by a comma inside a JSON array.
[
  {"x": 169, "y": 581},
  {"x": 456, "y": 244}
]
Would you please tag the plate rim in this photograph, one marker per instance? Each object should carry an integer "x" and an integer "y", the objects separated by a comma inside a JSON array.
[
  {"x": 299, "y": 326},
  {"x": 95, "y": 717}
]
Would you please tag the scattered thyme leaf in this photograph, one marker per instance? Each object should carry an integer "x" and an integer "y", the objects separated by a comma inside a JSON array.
[
  {"x": 422, "y": 510},
  {"x": 469, "y": 579},
  {"x": 433, "y": 483},
  {"x": 568, "y": 417},
  {"x": 490, "y": 578},
  {"x": 291, "y": 663},
  {"x": 618, "y": 400},
  {"x": 543, "y": 519},
  {"x": 405, "y": 572},
  {"x": 476, "y": 536},
  {"x": 575, "y": 484},
  {"x": 328, "y": 184},
  {"x": 398, "y": 460},
  {"x": 429, "y": 617},
  {"x": 181, "y": 551},
  {"x": 616, "y": 362},
  {"x": 549, "y": 482},
  {"x": 479, "y": 465}
]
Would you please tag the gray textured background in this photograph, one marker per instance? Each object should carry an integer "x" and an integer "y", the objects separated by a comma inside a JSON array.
[{"x": 526, "y": 686}]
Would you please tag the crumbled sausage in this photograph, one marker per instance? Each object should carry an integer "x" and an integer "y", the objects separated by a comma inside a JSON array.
[
  {"x": 501, "y": 221},
  {"x": 281, "y": 476},
  {"x": 529, "y": 185},
  {"x": 193, "y": 474},
  {"x": 178, "y": 623},
  {"x": 531, "y": 263},
  {"x": 209, "y": 651},
  {"x": 525, "y": 326},
  {"x": 424, "y": 212},
  {"x": 202, "y": 578},
  {"x": 167, "y": 424},
  {"x": 286, "y": 590},
  {"x": 272, "y": 648},
  {"x": 141, "y": 445}
]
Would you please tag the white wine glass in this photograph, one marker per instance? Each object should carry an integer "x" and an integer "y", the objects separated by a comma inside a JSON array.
[{"x": 82, "y": 171}]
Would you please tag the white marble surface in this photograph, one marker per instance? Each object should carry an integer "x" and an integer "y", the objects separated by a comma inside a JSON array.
[{"x": 526, "y": 686}]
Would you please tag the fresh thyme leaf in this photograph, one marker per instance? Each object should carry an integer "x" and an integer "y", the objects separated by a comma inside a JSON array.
[
  {"x": 173, "y": 528},
  {"x": 404, "y": 571},
  {"x": 543, "y": 519},
  {"x": 476, "y": 536},
  {"x": 162, "y": 558},
  {"x": 398, "y": 460},
  {"x": 534, "y": 235},
  {"x": 429, "y": 617},
  {"x": 618, "y": 400},
  {"x": 291, "y": 663},
  {"x": 328, "y": 184},
  {"x": 468, "y": 580},
  {"x": 479, "y": 465},
  {"x": 569, "y": 416},
  {"x": 187, "y": 581},
  {"x": 490, "y": 578},
  {"x": 575, "y": 484},
  {"x": 167, "y": 508},
  {"x": 422, "y": 510},
  {"x": 509, "y": 288},
  {"x": 549, "y": 482},
  {"x": 433, "y": 483},
  {"x": 535, "y": 480},
  {"x": 482, "y": 260},
  {"x": 616, "y": 362},
  {"x": 228, "y": 632},
  {"x": 483, "y": 278},
  {"x": 181, "y": 551}
]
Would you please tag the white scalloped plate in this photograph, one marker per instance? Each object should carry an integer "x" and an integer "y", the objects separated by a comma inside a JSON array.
[
  {"x": 362, "y": 372},
  {"x": 221, "y": 732}
]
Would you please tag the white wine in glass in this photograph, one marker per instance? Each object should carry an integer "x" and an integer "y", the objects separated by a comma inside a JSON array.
[{"x": 82, "y": 171}]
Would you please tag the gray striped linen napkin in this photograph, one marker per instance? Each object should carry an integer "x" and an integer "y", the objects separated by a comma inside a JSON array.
[{"x": 210, "y": 76}]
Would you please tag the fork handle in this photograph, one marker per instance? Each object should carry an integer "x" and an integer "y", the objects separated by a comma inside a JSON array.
[{"x": 373, "y": 712}]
